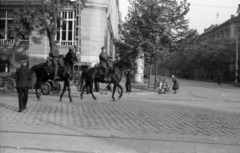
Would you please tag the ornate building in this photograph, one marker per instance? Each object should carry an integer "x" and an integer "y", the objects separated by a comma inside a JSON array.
[{"x": 93, "y": 26}]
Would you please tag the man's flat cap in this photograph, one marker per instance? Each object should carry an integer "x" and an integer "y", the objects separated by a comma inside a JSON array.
[{"x": 23, "y": 61}]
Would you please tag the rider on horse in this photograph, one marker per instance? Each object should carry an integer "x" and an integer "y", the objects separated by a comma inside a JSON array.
[
  {"x": 104, "y": 58},
  {"x": 55, "y": 57}
]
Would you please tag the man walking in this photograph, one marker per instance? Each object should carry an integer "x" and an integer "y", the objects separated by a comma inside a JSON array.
[
  {"x": 23, "y": 79},
  {"x": 129, "y": 77}
]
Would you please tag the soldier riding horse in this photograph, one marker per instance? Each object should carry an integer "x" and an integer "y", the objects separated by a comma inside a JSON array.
[
  {"x": 96, "y": 74},
  {"x": 45, "y": 72}
]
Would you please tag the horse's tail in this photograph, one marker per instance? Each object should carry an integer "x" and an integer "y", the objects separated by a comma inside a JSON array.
[
  {"x": 33, "y": 76},
  {"x": 82, "y": 78}
]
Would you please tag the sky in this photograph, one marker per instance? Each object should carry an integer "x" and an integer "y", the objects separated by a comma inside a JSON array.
[{"x": 202, "y": 14}]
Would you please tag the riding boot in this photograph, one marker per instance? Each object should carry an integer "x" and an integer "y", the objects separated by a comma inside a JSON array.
[
  {"x": 55, "y": 74},
  {"x": 105, "y": 76}
]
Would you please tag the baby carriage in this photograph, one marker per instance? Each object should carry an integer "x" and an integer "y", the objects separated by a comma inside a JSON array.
[{"x": 163, "y": 86}]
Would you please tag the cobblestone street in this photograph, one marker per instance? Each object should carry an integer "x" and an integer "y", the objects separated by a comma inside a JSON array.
[{"x": 201, "y": 117}]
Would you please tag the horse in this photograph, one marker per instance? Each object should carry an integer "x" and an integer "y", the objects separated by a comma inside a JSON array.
[
  {"x": 45, "y": 72},
  {"x": 95, "y": 74}
]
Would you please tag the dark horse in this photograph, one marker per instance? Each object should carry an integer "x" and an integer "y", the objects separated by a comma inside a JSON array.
[
  {"x": 44, "y": 72},
  {"x": 95, "y": 74}
]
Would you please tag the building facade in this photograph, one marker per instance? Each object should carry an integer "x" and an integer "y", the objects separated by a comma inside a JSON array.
[
  {"x": 89, "y": 27},
  {"x": 228, "y": 29}
]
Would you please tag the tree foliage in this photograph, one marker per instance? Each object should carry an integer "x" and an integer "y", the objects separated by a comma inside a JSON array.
[
  {"x": 153, "y": 26},
  {"x": 44, "y": 18},
  {"x": 210, "y": 54}
]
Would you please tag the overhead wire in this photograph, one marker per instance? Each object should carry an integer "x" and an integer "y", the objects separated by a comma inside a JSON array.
[{"x": 213, "y": 6}]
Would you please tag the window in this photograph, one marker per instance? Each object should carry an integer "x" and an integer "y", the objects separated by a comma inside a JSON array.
[
  {"x": 6, "y": 18},
  {"x": 66, "y": 28}
]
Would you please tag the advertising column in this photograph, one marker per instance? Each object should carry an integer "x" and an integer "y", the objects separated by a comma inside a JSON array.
[{"x": 139, "y": 71}]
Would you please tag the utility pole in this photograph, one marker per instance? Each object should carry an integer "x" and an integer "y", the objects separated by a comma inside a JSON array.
[
  {"x": 237, "y": 37},
  {"x": 156, "y": 59},
  {"x": 155, "y": 80},
  {"x": 238, "y": 34},
  {"x": 78, "y": 40}
]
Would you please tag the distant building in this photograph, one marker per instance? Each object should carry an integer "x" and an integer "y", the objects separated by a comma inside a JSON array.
[
  {"x": 99, "y": 21},
  {"x": 228, "y": 29}
]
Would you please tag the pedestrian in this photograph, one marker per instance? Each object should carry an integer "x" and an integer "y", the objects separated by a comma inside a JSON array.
[
  {"x": 23, "y": 80},
  {"x": 219, "y": 79},
  {"x": 175, "y": 86},
  {"x": 129, "y": 78}
]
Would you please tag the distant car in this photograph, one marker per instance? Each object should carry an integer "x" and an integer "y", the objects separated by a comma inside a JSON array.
[{"x": 8, "y": 82}]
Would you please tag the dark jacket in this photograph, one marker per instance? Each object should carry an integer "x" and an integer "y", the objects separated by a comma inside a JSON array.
[
  {"x": 129, "y": 77},
  {"x": 175, "y": 84},
  {"x": 104, "y": 58},
  {"x": 23, "y": 77}
]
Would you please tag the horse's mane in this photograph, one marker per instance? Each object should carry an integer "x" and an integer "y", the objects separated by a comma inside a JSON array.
[{"x": 119, "y": 63}]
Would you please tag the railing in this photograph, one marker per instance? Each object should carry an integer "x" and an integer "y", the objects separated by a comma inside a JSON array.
[
  {"x": 67, "y": 42},
  {"x": 11, "y": 42}
]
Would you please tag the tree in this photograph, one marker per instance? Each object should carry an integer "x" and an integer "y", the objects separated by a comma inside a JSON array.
[
  {"x": 19, "y": 29},
  {"x": 211, "y": 54},
  {"x": 44, "y": 18},
  {"x": 154, "y": 28}
]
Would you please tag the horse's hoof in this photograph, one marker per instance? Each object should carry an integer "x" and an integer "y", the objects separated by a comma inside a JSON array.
[
  {"x": 119, "y": 97},
  {"x": 60, "y": 99},
  {"x": 39, "y": 99},
  {"x": 71, "y": 100},
  {"x": 95, "y": 99},
  {"x": 114, "y": 99}
]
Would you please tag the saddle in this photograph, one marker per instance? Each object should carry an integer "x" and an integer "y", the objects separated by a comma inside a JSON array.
[
  {"x": 100, "y": 68},
  {"x": 49, "y": 64}
]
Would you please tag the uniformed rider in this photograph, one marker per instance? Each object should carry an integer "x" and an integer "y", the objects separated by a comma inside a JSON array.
[
  {"x": 55, "y": 56},
  {"x": 104, "y": 58}
]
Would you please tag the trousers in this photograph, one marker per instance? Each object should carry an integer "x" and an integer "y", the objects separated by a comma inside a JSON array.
[{"x": 22, "y": 97}]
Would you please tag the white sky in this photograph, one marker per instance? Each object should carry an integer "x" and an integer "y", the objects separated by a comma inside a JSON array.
[{"x": 202, "y": 13}]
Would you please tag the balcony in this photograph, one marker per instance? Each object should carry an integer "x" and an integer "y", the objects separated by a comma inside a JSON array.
[
  {"x": 63, "y": 42},
  {"x": 11, "y": 42}
]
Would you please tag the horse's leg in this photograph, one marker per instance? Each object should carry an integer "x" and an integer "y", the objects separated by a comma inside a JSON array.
[
  {"x": 69, "y": 91},
  {"x": 83, "y": 88},
  {"x": 36, "y": 91},
  {"x": 38, "y": 95},
  {"x": 64, "y": 89},
  {"x": 114, "y": 89},
  {"x": 91, "y": 86},
  {"x": 119, "y": 86},
  {"x": 108, "y": 87}
]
